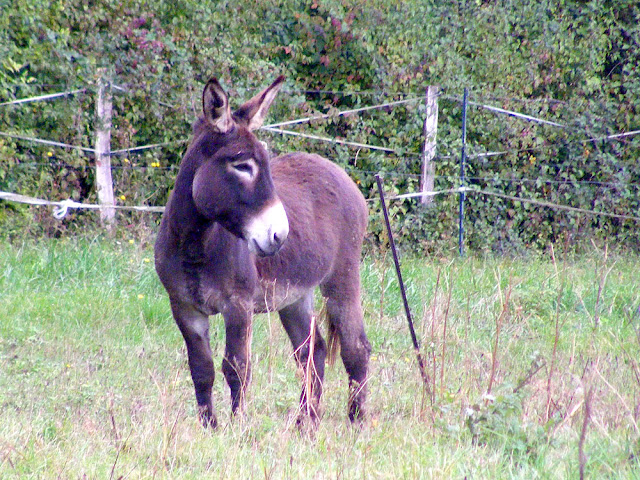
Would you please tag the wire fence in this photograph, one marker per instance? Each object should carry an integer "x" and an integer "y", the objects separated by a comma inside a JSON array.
[
  {"x": 276, "y": 127},
  {"x": 63, "y": 206},
  {"x": 392, "y": 174}
]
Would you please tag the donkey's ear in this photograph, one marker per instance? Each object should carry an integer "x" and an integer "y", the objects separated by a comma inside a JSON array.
[
  {"x": 215, "y": 107},
  {"x": 255, "y": 110}
]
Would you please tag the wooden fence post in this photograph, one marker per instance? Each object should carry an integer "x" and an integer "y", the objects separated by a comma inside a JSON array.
[
  {"x": 429, "y": 152},
  {"x": 104, "y": 182}
]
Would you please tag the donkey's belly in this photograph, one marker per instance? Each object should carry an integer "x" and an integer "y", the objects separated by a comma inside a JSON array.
[
  {"x": 269, "y": 296},
  {"x": 273, "y": 296}
]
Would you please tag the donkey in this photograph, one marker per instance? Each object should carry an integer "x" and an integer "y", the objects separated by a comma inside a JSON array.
[{"x": 243, "y": 234}]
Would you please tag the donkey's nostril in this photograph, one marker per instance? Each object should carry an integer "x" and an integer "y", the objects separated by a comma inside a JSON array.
[{"x": 278, "y": 237}]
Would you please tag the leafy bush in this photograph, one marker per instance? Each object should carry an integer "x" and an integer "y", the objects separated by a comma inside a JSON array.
[{"x": 572, "y": 62}]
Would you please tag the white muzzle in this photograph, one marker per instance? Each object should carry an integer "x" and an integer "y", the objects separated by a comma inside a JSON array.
[{"x": 267, "y": 231}]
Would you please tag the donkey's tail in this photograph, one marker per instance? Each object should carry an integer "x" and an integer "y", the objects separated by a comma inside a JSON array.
[{"x": 333, "y": 340}]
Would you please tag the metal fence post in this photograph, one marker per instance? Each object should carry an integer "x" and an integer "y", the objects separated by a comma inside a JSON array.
[
  {"x": 412, "y": 331},
  {"x": 463, "y": 154}
]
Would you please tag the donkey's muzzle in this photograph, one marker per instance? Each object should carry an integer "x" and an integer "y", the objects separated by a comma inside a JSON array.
[{"x": 267, "y": 231}]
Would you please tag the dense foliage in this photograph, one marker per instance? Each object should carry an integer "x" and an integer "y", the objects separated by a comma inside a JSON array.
[{"x": 571, "y": 62}]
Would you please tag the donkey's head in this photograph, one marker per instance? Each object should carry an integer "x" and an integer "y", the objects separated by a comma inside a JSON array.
[{"x": 233, "y": 184}]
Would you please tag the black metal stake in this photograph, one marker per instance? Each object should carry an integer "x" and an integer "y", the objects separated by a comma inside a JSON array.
[
  {"x": 414, "y": 338},
  {"x": 463, "y": 155}
]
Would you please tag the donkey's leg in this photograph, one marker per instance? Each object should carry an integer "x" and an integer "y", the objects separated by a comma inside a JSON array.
[
  {"x": 297, "y": 319},
  {"x": 194, "y": 326},
  {"x": 355, "y": 349},
  {"x": 236, "y": 364},
  {"x": 345, "y": 316}
]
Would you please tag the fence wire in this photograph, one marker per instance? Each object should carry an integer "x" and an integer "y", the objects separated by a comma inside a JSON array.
[
  {"x": 40, "y": 98},
  {"x": 349, "y": 168},
  {"x": 63, "y": 206}
]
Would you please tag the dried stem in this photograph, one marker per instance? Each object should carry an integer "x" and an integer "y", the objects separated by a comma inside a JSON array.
[
  {"x": 582, "y": 457},
  {"x": 596, "y": 315},
  {"x": 115, "y": 462},
  {"x": 554, "y": 352},
  {"x": 553, "y": 258},
  {"x": 624, "y": 404},
  {"x": 432, "y": 349},
  {"x": 382, "y": 287},
  {"x": 310, "y": 371},
  {"x": 494, "y": 353},
  {"x": 444, "y": 340}
]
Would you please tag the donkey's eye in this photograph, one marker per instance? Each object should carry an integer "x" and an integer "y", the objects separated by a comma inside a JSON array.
[{"x": 244, "y": 167}]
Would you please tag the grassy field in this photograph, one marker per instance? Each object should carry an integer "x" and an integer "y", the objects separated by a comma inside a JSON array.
[{"x": 533, "y": 367}]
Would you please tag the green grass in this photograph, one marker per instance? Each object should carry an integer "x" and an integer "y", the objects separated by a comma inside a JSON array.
[{"x": 94, "y": 382}]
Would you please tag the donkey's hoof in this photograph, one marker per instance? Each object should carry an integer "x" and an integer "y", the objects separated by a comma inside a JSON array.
[
  {"x": 307, "y": 425},
  {"x": 357, "y": 415},
  {"x": 207, "y": 418}
]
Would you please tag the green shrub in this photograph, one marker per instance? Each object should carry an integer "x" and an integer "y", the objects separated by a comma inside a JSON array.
[{"x": 572, "y": 62}]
